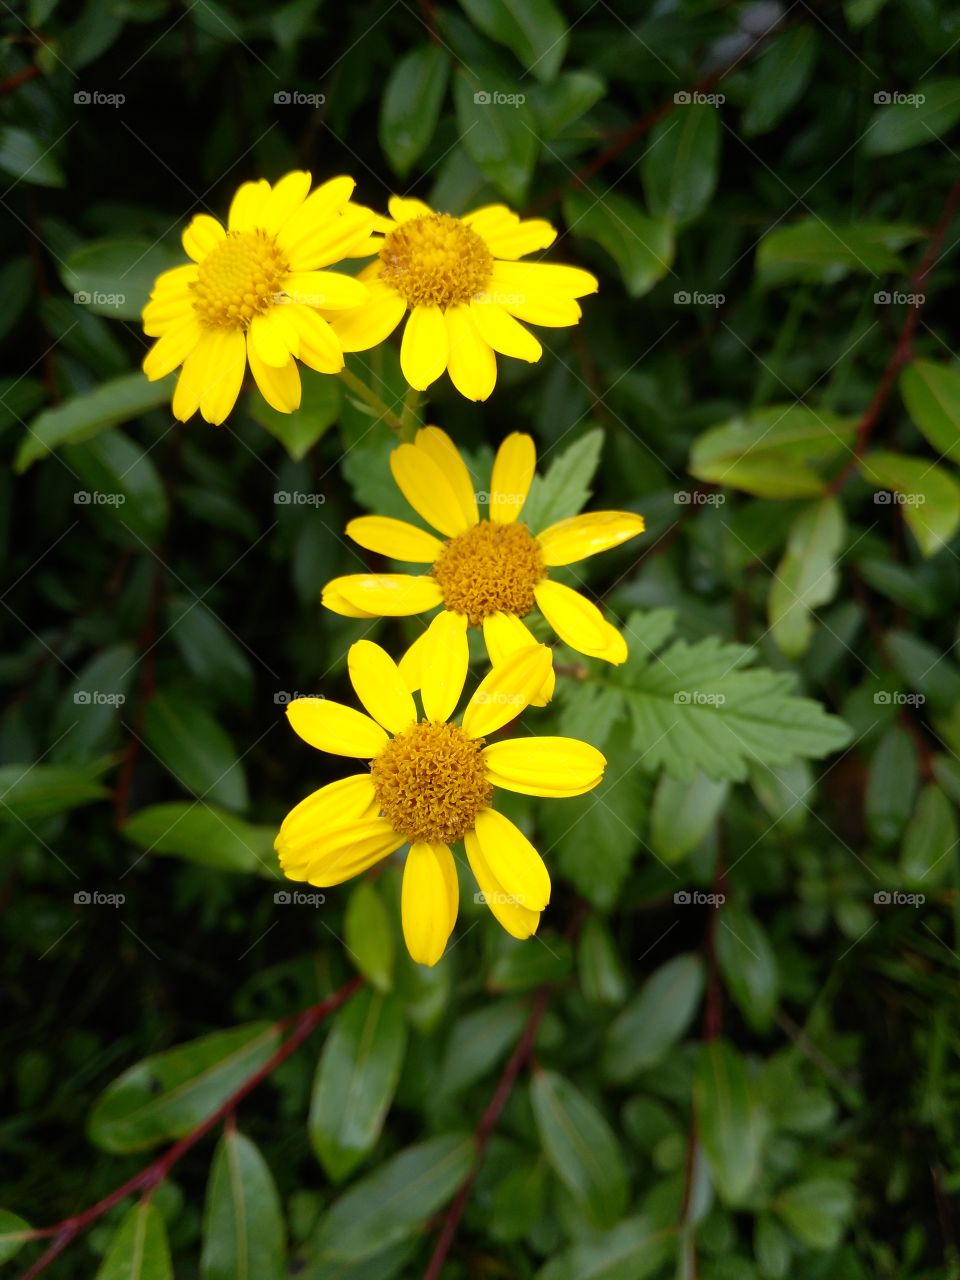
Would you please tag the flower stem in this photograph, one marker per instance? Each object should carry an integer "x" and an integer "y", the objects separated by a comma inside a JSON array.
[{"x": 370, "y": 398}]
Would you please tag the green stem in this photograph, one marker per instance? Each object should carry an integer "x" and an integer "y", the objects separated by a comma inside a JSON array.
[
  {"x": 411, "y": 403},
  {"x": 363, "y": 392}
]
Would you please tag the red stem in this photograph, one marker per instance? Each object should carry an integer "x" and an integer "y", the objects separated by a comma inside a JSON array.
[
  {"x": 17, "y": 79},
  {"x": 304, "y": 1024}
]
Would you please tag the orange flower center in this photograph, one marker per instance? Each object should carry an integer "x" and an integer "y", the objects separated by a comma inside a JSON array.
[
  {"x": 239, "y": 279},
  {"x": 436, "y": 260},
  {"x": 492, "y": 568}
]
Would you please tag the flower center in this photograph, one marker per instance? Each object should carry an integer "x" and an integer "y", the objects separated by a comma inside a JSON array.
[
  {"x": 239, "y": 279},
  {"x": 431, "y": 782},
  {"x": 492, "y": 568},
  {"x": 436, "y": 260}
]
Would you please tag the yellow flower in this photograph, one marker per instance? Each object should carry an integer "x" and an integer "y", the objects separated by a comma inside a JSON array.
[
  {"x": 465, "y": 290},
  {"x": 431, "y": 783},
  {"x": 490, "y": 572},
  {"x": 253, "y": 292}
]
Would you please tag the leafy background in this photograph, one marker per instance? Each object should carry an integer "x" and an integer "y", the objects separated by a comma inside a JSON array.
[{"x": 761, "y": 1087}]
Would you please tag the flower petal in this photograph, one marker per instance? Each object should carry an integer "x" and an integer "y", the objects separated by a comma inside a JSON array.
[
  {"x": 577, "y": 621},
  {"x": 504, "y": 334},
  {"x": 367, "y": 326},
  {"x": 330, "y": 289},
  {"x": 333, "y": 600},
  {"x": 547, "y": 277},
  {"x": 335, "y": 855},
  {"x": 269, "y": 334},
  {"x": 411, "y": 664},
  {"x": 402, "y": 209},
  {"x": 285, "y": 198},
  {"x": 436, "y": 442},
  {"x": 580, "y": 536},
  {"x": 172, "y": 348},
  {"x": 513, "y": 470},
  {"x": 506, "y": 235},
  {"x": 544, "y": 766},
  {"x": 186, "y": 396},
  {"x": 428, "y": 490},
  {"x": 280, "y": 387},
  {"x": 389, "y": 595},
  {"x": 246, "y": 205},
  {"x": 503, "y": 634},
  {"x": 512, "y": 859},
  {"x": 380, "y": 687},
  {"x": 534, "y": 306},
  {"x": 319, "y": 346},
  {"x": 337, "y": 805},
  {"x": 394, "y": 538},
  {"x": 471, "y": 363},
  {"x": 427, "y": 908},
  {"x": 330, "y": 726},
  {"x": 226, "y": 365},
  {"x": 518, "y": 920},
  {"x": 312, "y": 240},
  {"x": 202, "y": 236},
  {"x": 423, "y": 351},
  {"x": 506, "y": 690},
  {"x": 444, "y": 660}
]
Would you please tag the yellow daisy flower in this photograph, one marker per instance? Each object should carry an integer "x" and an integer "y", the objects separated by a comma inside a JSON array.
[
  {"x": 465, "y": 290},
  {"x": 253, "y": 292},
  {"x": 491, "y": 572},
  {"x": 431, "y": 783}
]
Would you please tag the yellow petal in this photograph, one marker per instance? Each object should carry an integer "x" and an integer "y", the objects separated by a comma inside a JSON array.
[
  {"x": 167, "y": 312},
  {"x": 503, "y": 633},
  {"x": 428, "y": 490},
  {"x": 202, "y": 236},
  {"x": 471, "y": 363},
  {"x": 506, "y": 236},
  {"x": 173, "y": 348},
  {"x": 175, "y": 282},
  {"x": 518, "y": 920},
  {"x": 533, "y": 306},
  {"x": 580, "y": 536},
  {"x": 402, "y": 209},
  {"x": 506, "y": 690},
  {"x": 426, "y": 908},
  {"x": 280, "y": 387},
  {"x": 226, "y": 365},
  {"x": 246, "y": 205},
  {"x": 330, "y": 289},
  {"x": 389, "y": 595},
  {"x": 411, "y": 664},
  {"x": 337, "y": 805},
  {"x": 270, "y": 334},
  {"x": 577, "y": 621},
  {"x": 330, "y": 726},
  {"x": 332, "y": 599},
  {"x": 423, "y": 351},
  {"x": 319, "y": 346},
  {"x": 379, "y": 686},
  {"x": 395, "y": 538},
  {"x": 186, "y": 397},
  {"x": 368, "y": 325},
  {"x": 436, "y": 442},
  {"x": 444, "y": 659},
  {"x": 546, "y": 277},
  {"x": 615, "y": 650},
  {"x": 513, "y": 861},
  {"x": 311, "y": 241},
  {"x": 285, "y": 198},
  {"x": 334, "y": 855},
  {"x": 504, "y": 334},
  {"x": 544, "y": 766},
  {"x": 513, "y": 470}
]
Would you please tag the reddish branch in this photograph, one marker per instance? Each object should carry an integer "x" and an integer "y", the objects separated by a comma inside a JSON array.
[
  {"x": 147, "y": 644},
  {"x": 17, "y": 79},
  {"x": 303, "y": 1025},
  {"x": 903, "y": 349}
]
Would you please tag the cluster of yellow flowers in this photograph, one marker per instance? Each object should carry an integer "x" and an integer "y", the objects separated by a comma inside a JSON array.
[{"x": 261, "y": 291}]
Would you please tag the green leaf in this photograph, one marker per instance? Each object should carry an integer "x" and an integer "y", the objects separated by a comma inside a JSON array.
[
  {"x": 813, "y": 251},
  {"x": 929, "y": 856},
  {"x": 931, "y": 392},
  {"x": 319, "y": 409},
  {"x": 122, "y": 489},
  {"x": 925, "y": 115},
  {"x": 681, "y": 163},
  {"x": 168, "y": 1094},
  {"x": 642, "y": 246},
  {"x": 497, "y": 130},
  {"x": 632, "y": 1250},
  {"x": 564, "y": 488},
  {"x": 925, "y": 668},
  {"x": 654, "y": 1020},
  {"x": 816, "y": 1211},
  {"x": 205, "y": 834},
  {"x": 356, "y": 1079},
  {"x": 535, "y": 30},
  {"x": 87, "y": 414},
  {"x": 243, "y": 1229},
  {"x": 891, "y": 785},
  {"x": 603, "y": 979},
  {"x": 410, "y": 105},
  {"x": 520, "y": 967},
  {"x": 391, "y": 1204},
  {"x": 729, "y": 1120},
  {"x": 139, "y": 1249},
  {"x": 198, "y": 753},
  {"x": 29, "y": 792},
  {"x": 212, "y": 653},
  {"x": 683, "y": 812},
  {"x": 776, "y": 452},
  {"x": 807, "y": 576},
  {"x": 14, "y": 1234},
  {"x": 580, "y": 1147},
  {"x": 369, "y": 935},
  {"x": 28, "y": 159},
  {"x": 695, "y": 707},
  {"x": 114, "y": 277},
  {"x": 518, "y": 1201},
  {"x": 749, "y": 966},
  {"x": 16, "y": 286},
  {"x": 782, "y": 74},
  {"x": 93, "y": 703},
  {"x": 478, "y": 1041},
  {"x": 929, "y": 495},
  {"x": 565, "y": 101}
]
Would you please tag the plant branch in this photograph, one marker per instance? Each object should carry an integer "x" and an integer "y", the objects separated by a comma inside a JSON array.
[{"x": 372, "y": 400}]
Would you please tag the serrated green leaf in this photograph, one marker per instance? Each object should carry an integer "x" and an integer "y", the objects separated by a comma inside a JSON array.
[
  {"x": 565, "y": 486},
  {"x": 299, "y": 431}
]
